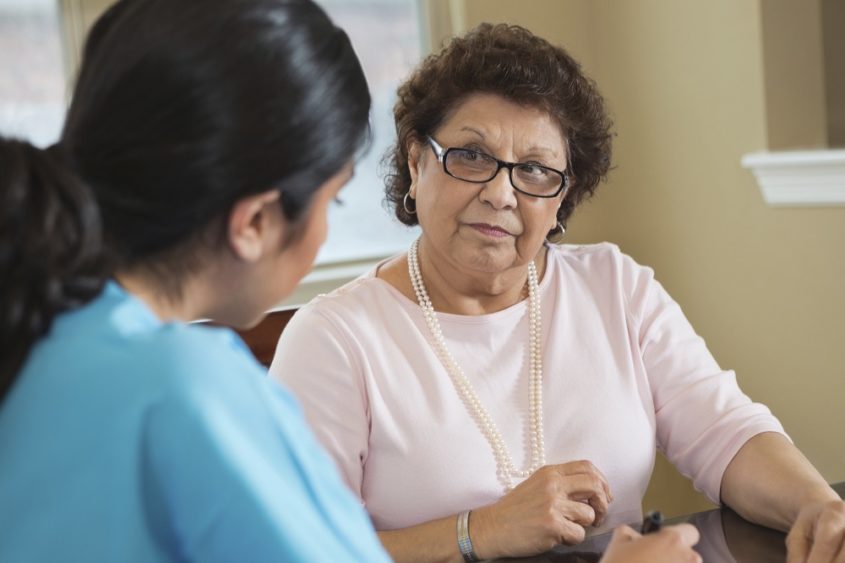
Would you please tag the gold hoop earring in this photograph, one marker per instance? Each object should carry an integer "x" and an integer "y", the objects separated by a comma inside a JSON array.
[
  {"x": 405, "y": 204},
  {"x": 557, "y": 233}
]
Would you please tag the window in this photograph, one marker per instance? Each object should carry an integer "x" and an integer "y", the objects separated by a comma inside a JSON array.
[
  {"x": 32, "y": 89},
  {"x": 387, "y": 36}
]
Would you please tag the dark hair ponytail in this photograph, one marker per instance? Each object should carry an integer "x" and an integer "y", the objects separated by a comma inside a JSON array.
[
  {"x": 50, "y": 248},
  {"x": 181, "y": 108}
]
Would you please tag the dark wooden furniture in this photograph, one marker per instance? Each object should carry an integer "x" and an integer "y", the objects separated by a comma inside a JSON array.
[
  {"x": 263, "y": 337},
  {"x": 725, "y": 538}
]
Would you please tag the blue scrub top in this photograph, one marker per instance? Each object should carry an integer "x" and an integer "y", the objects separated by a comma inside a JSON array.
[{"x": 128, "y": 439}]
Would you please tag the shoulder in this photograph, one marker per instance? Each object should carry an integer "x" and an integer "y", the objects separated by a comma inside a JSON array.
[
  {"x": 198, "y": 344},
  {"x": 604, "y": 273},
  {"x": 117, "y": 334},
  {"x": 600, "y": 259},
  {"x": 205, "y": 381},
  {"x": 195, "y": 361},
  {"x": 363, "y": 302},
  {"x": 346, "y": 325}
]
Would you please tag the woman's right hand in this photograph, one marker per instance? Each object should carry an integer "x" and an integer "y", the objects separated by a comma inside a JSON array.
[
  {"x": 553, "y": 506},
  {"x": 672, "y": 544}
]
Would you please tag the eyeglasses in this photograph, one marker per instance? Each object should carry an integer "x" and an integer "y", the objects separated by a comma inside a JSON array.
[{"x": 478, "y": 167}]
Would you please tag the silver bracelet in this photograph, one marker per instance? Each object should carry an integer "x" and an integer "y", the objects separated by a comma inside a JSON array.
[{"x": 464, "y": 543}]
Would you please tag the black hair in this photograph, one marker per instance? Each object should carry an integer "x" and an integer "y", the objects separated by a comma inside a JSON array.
[{"x": 180, "y": 109}]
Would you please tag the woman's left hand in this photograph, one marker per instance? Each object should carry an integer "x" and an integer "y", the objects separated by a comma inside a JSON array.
[
  {"x": 818, "y": 535},
  {"x": 672, "y": 544}
]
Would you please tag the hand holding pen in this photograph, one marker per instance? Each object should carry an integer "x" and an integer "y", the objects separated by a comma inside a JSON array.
[
  {"x": 652, "y": 522},
  {"x": 670, "y": 544}
]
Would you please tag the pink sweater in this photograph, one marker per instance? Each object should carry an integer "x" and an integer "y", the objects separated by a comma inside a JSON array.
[{"x": 624, "y": 373}]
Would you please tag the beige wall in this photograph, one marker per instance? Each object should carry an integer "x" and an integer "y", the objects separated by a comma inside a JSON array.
[
  {"x": 685, "y": 82},
  {"x": 793, "y": 63},
  {"x": 569, "y": 22},
  {"x": 833, "y": 20}
]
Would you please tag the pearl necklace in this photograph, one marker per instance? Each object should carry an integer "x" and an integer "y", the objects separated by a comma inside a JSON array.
[{"x": 505, "y": 469}]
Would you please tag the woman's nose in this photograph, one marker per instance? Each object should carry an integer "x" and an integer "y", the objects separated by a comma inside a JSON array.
[{"x": 499, "y": 191}]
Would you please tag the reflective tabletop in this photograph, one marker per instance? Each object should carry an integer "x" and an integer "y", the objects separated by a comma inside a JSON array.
[{"x": 725, "y": 538}]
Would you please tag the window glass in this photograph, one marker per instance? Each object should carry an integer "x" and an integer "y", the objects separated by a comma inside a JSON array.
[
  {"x": 32, "y": 84},
  {"x": 387, "y": 37}
]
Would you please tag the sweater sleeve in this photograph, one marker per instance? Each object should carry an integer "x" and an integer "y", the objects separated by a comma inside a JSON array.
[
  {"x": 314, "y": 360},
  {"x": 702, "y": 416}
]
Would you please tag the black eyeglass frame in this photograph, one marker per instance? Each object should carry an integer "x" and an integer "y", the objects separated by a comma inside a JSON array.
[{"x": 440, "y": 153}]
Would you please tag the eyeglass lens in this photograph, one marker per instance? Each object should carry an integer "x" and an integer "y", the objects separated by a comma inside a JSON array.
[{"x": 474, "y": 166}]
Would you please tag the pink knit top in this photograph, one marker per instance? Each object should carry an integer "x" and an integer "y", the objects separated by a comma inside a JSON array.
[{"x": 624, "y": 374}]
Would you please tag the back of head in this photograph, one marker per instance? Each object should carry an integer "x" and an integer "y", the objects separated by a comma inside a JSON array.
[{"x": 180, "y": 109}]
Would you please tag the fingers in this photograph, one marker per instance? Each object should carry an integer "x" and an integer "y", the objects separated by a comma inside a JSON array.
[
  {"x": 624, "y": 534},
  {"x": 587, "y": 487},
  {"x": 798, "y": 544},
  {"x": 671, "y": 544},
  {"x": 581, "y": 481},
  {"x": 828, "y": 534},
  {"x": 571, "y": 533},
  {"x": 675, "y": 543},
  {"x": 578, "y": 512},
  {"x": 585, "y": 467},
  {"x": 818, "y": 535},
  {"x": 563, "y": 500},
  {"x": 687, "y": 534},
  {"x": 600, "y": 508}
]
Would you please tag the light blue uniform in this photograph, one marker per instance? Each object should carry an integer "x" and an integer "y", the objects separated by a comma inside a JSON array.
[{"x": 126, "y": 439}]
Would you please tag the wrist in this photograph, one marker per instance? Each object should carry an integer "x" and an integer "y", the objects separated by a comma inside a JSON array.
[
  {"x": 818, "y": 493},
  {"x": 824, "y": 494},
  {"x": 464, "y": 540},
  {"x": 816, "y": 496},
  {"x": 482, "y": 535}
]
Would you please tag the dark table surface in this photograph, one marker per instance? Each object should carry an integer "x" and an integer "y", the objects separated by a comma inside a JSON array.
[{"x": 725, "y": 538}]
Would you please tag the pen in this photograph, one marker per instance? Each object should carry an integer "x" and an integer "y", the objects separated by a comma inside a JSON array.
[{"x": 652, "y": 522}]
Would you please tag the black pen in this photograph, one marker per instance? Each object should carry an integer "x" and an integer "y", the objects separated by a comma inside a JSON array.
[{"x": 652, "y": 522}]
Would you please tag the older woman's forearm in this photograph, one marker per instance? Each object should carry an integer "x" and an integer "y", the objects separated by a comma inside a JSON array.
[
  {"x": 430, "y": 542},
  {"x": 436, "y": 541},
  {"x": 769, "y": 481},
  {"x": 552, "y": 506}
]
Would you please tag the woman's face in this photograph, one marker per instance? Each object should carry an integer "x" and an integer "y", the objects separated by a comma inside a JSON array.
[
  {"x": 487, "y": 227},
  {"x": 265, "y": 282},
  {"x": 297, "y": 259}
]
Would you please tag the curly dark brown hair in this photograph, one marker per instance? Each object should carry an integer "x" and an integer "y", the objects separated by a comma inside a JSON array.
[{"x": 512, "y": 62}]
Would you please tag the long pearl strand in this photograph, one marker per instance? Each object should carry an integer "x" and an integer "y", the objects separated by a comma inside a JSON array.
[{"x": 504, "y": 462}]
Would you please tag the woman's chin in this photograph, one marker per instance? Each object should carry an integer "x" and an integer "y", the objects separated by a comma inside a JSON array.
[{"x": 487, "y": 260}]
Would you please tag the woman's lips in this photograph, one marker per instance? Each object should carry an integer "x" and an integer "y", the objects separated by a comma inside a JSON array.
[{"x": 490, "y": 230}]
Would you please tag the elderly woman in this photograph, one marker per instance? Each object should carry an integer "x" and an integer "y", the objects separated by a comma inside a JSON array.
[{"x": 489, "y": 370}]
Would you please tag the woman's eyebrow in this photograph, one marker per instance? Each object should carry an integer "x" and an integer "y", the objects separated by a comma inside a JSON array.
[
  {"x": 472, "y": 130},
  {"x": 539, "y": 149}
]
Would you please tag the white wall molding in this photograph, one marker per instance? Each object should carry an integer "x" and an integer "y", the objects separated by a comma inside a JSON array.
[{"x": 800, "y": 178}]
